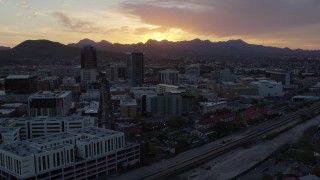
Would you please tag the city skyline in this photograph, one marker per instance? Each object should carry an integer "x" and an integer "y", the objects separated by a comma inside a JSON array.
[{"x": 287, "y": 23}]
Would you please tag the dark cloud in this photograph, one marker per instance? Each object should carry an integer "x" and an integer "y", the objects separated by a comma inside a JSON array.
[
  {"x": 75, "y": 25},
  {"x": 227, "y": 17}
]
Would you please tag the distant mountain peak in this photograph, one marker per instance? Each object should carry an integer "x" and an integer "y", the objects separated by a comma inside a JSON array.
[
  {"x": 86, "y": 41},
  {"x": 196, "y": 40},
  {"x": 105, "y": 42},
  {"x": 152, "y": 41},
  {"x": 2, "y": 48},
  {"x": 37, "y": 43},
  {"x": 237, "y": 41}
]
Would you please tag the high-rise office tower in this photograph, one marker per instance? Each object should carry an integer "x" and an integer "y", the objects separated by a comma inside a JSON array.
[
  {"x": 135, "y": 63},
  {"x": 88, "y": 64},
  {"x": 88, "y": 57}
]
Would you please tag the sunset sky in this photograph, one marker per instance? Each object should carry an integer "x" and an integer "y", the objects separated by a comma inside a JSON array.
[{"x": 280, "y": 23}]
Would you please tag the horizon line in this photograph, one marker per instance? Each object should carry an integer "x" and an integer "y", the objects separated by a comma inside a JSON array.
[{"x": 66, "y": 44}]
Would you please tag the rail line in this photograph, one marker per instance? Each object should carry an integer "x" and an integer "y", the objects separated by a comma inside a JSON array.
[{"x": 203, "y": 157}]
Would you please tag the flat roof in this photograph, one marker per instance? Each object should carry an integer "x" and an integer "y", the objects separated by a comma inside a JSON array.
[
  {"x": 4, "y": 121},
  {"x": 50, "y": 94},
  {"x": 6, "y": 111},
  {"x": 13, "y": 104},
  {"x": 19, "y": 76},
  {"x": 306, "y": 97},
  {"x": 35, "y": 145},
  {"x": 212, "y": 103},
  {"x": 94, "y": 131}
]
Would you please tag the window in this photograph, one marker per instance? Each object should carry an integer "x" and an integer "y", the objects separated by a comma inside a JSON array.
[
  {"x": 39, "y": 163},
  {"x": 86, "y": 151},
  {"x": 48, "y": 162},
  {"x": 44, "y": 162},
  {"x": 54, "y": 159},
  {"x": 58, "y": 159},
  {"x": 71, "y": 154}
]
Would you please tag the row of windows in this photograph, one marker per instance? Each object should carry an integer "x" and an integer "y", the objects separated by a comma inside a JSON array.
[
  {"x": 52, "y": 144},
  {"x": 109, "y": 145},
  {"x": 10, "y": 163},
  {"x": 45, "y": 129},
  {"x": 55, "y": 160}
]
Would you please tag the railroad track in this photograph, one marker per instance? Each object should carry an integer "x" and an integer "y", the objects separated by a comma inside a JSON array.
[{"x": 203, "y": 157}]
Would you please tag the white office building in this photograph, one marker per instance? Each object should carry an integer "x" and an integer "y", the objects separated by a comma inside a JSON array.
[
  {"x": 266, "y": 88},
  {"x": 9, "y": 134},
  {"x": 32, "y": 127},
  {"x": 169, "y": 76},
  {"x": 280, "y": 76},
  {"x": 50, "y": 103},
  {"x": 88, "y": 153},
  {"x": 212, "y": 106}
]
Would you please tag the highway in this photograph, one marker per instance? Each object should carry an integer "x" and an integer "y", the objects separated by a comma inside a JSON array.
[{"x": 180, "y": 164}]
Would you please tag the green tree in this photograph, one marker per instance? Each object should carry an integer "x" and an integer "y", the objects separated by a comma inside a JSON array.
[
  {"x": 316, "y": 171},
  {"x": 221, "y": 127},
  {"x": 177, "y": 123}
]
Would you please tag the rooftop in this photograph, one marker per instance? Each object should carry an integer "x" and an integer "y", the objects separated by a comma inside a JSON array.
[
  {"x": 6, "y": 111},
  {"x": 212, "y": 103},
  {"x": 19, "y": 76},
  {"x": 94, "y": 131},
  {"x": 50, "y": 94},
  {"x": 7, "y": 121},
  {"x": 12, "y": 105},
  {"x": 37, "y": 145}
]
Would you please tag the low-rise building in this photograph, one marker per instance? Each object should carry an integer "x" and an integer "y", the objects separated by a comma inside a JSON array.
[
  {"x": 128, "y": 108},
  {"x": 169, "y": 76},
  {"x": 212, "y": 106},
  {"x": 70, "y": 84},
  {"x": 88, "y": 153},
  {"x": 9, "y": 135},
  {"x": 50, "y": 103},
  {"x": 19, "y": 107},
  {"x": 90, "y": 95},
  {"x": 31, "y": 127},
  {"x": 267, "y": 88},
  {"x": 162, "y": 88}
]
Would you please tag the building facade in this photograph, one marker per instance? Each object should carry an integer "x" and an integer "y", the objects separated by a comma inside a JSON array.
[
  {"x": 193, "y": 69},
  {"x": 169, "y": 76},
  {"x": 224, "y": 76},
  {"x": 118, "y": 72},
  {"x": 88, "y": 57},
  {"x": 280, "y": 76},
  {"x": 135, "y": 64},
  {"x": 32, "y": 127},
  {"x": 70, "y": 84},
  {"x": 128, "y": 108},
  {"x": 88, "y": 153},
  {"x": 212, "y": 106},
  {"x": 267, "y": 88},
  {"x": 49, "y": 103},
  {"x": 21, "y": 84}
]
